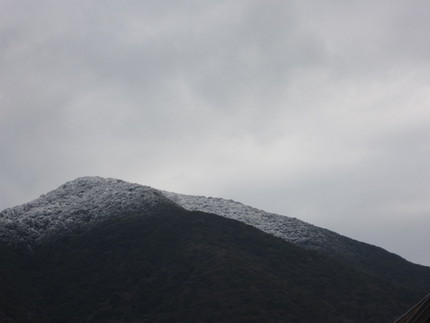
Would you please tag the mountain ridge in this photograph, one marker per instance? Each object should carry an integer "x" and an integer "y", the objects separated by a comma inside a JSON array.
[
  {"x": 92, "y": 199},
  {"x": 105, "y": 248}
]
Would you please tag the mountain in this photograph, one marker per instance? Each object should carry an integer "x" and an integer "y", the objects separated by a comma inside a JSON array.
[{"x": 104, "y": 250}]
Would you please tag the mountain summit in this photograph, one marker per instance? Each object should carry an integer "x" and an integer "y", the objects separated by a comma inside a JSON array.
[{"x": 84, "y": 200}]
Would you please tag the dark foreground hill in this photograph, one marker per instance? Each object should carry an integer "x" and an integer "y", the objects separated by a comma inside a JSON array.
[{"x": 181, "y": 266}]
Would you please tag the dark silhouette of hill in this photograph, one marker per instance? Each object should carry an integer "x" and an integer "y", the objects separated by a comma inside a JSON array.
[{"x": 181, "y": 266}]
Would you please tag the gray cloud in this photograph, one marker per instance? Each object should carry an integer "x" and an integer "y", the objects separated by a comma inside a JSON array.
[{"x": 309, "y": 109}]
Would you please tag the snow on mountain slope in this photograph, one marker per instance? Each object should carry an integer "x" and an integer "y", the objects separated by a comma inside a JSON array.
[
  {"x": 371, "y": 259},
  {"x": 90, "y": 199},
  {"x": 86, "y": 199},
  {"x": 287, "y": 228}
]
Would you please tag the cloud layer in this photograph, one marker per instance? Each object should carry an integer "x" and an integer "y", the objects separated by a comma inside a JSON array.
[{"x": 314, "y": 110}]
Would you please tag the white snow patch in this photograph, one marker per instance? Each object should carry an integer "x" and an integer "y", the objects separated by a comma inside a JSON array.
[{"x": 287, "y": 228}]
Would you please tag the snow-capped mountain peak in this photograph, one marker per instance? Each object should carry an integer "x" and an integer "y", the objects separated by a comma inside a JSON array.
[
  {"x": 91, "y": 199},
  {"x": 86, "y": 199}
]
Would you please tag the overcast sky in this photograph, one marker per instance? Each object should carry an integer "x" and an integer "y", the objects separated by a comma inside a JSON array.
[{"x": 318, "y": 110}]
